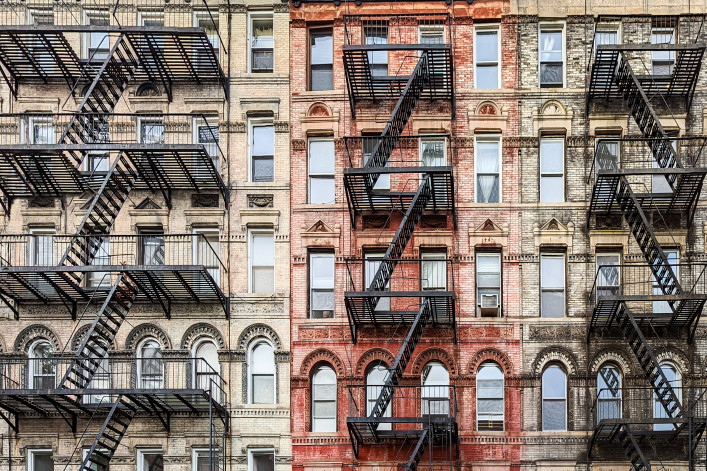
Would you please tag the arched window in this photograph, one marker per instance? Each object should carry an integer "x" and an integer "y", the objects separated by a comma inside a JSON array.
[
  {"x": 375, "y": 379},
  {"x": 608, "y": 393},
  {"x": 554, "y": 390},
  {"x": 42, "y": 365},
  {"x": 262, "y": 374},
  {"x": 100, "y": 380},
  {"x": 489, "y": 397},
  {"x": 435, "y": 389},
  {"x": 674, "y": 377},
  {"x": 207, "y": 369},
  {"x": 150, "y": 371},
  {"x": 324, "y": 399}
]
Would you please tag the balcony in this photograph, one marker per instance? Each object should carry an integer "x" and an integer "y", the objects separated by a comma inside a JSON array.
[
  {"x": 167, "y": 269},
  {"x": 635, "y": 285},
  {"x": 412, "y": 281},
  {"x": 381, "y": 52},
  {"x": 411, "y": 159}
]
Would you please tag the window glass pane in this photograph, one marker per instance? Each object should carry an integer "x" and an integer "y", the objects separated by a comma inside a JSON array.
[
  {"x": 552, "y": 272},
  {"x": 486, "y": 46},
  {"x": 606, "y": 37},
  {"x": 488, "y": 263},
  {"x": 554, "y": 383},
  {"x": 322, "y": 190},
  {"x": 432, "y": 152},
  {"x": 263, "y": 389},
  {"x": 263, "y": 249},
  {"x": 554, "y": 415},
  {"x": 263, "y": 280},
  {"x": 263, "y": 359},
  {"x": 551, "y": 46},
  {"x": 486, "y": 76},
  {"x": 43, "y": 462},
  {"x": 553, "y": 304},
  {"x": 321, "y": 157},
  {"x": 551, "y": 189},
  {"x": 432, "y": 35},
  {"x": 263, "y": 462},
  {"x": 152, "y": 462},
  {"x": 263, "y": 169},
  {"x": 322, "y": 47},
  {"x": 262, "y": 33},
  {"x": 263, "y": 140},
  {"x": 322, "y": 267},
  {"x": 552, "y": 156}
]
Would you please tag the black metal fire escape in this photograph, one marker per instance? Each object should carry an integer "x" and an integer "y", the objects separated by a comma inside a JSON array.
[
  {"x": 430, "y": 78},
  {"x": 612, "y": 78}
]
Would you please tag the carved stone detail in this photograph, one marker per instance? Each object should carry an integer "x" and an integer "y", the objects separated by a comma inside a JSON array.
[
  {"x": 322, "y": 355},
  {"x": 490, "y": 354},
  {"x": 146, "y": 330},
  {"x": 555, "y": 354},
  {"x": 299, "y": 144},
  {"x": 611, "y": 356},
  {"x": 260, "y": 201},
  {"x": 204, "y": 200},
  {"x": 34, "y": 332},
  {"x": 79, "y": 336},
  {"x": 373, "y": 355},
  {"x": 560, "y": 332},
  {"x": 200, "y": 330},
  {"x": 433, "y": 354},
  {"x": 254, "y": 331}
]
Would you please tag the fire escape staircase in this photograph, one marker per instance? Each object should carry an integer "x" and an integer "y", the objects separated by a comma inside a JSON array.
[{"x": 108, "y": 439}]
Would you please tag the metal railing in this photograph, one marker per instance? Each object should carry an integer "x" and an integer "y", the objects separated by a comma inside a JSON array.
[
  {"x": 153, "y": 373},
  {"x": 434, "y": 401},
  {"x": 410, "y": 274},
  {"x": 427, "y": 30},
  {"x": 431, "y": 150}
]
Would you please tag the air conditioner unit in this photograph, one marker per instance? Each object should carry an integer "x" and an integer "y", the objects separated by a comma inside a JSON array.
[{"x": 489, "y": 301}]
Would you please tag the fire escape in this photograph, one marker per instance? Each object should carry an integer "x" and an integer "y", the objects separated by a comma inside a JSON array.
[
  {"x": 653, "y": 183},
  {"x": 52, "y": 159},
  {"x": 390, "y": 175}
]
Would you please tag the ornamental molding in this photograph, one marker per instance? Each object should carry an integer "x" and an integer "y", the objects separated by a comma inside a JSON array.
[
  {"x": 553, "y": 234},
  {"x": 200, "y": 331},
  {"x": 559, "y": 332},
  {"x": 552, "y": 116},
  {"x": 610, "y": 356},
  {"x": 487, "y": 116},
  {"x": 260, "y": 201},
  {"x": 320, "y": 235},
  {"x": 434, "y": 354},
  {"x": 488, "y": 234},
  {"x": 490, "y": 354},
  {"x": 373, "y": 355},
  {"x": 35, "y": 332},
  {"x": 79, "y": 336},
  {"x": 322, "y": 355},
  {"x": 144, "y": 331},
  {"x": 254, "y": 331},
  {"x": 555, "y": 354},
  {"x": 669, "y": 353}
]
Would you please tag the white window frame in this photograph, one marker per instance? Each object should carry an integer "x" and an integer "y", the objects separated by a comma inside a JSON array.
[
  {"x": 149, "y": 15},
  {"x": 502, "y": 398},
  {"x": 201, "y": 14},
  {"x": 610, "y": 28},
  {"x": 140, "y": 359},
  {"x": 327, "y": 255},
  {"x": 32, "y": 452},
  {"x": 34, "y": 234},
  {"x": 216, "y": 267},
  {"x": 489, "y": 138},
  {"x": 561, "y": 256},
  {"x": 500, "y": 284},
  {"x": 678, "y": 392},
  {"x": 252, "y": 233},
  {"x": 259, "y": 451},
  {"x": 250, "y": 386},
  {"x": 335, "y": 401},
  {"x": 612, "y": 253},
  {"x": 441, "y": 139},
  {"x": 141, "y": 452},
  {"x": 311, "y": 32},
  {"x": 565, "y": 398},
  {"x": 607, "y": 397},
  {"x": 432, "y": 27},
  {"x": 487, "y": 28},
  {"x": 321, "y": 176},
  {"x": 28, "y": 135},
  {"x": 86, "y": 37},
  {"x": 672, "y": 56},
  {"x": 553, "y": 174},
  {"x": 100, "y": 279},
  {"x": 554, "y": 27},
  {"x": 211, "y": 121},
  {"x": 150, "y": 120},
  {"x": 84, "y": 454},
  {"x": 259, "y": 14},
  {"x": 195, "y": 452},
  {"x": 33, "y": 362},
  {"x": 375, "y": 388},
  {"x": 253, "y": 123},
  {"x": 608, "y": 138},
  {"x": 436, "y": 258},
  {"x": 196, "y": 374}
]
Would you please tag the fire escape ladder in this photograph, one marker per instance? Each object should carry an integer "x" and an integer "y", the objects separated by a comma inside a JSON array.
[
  {"x": 108, "y": 439},
  {"x": 100, "y": 336},
  {"x": 412, "y": 92},
  {"x": 664, "y": 392},
  {"x": 632, "y": 450},
  {"x": 423, "y": 443},
  {"x": 403, "y": 358}
]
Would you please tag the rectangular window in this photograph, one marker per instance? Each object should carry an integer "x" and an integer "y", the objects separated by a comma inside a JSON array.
[
  {"x": 659, "y": 184},
  {"x": 432, "y": 152},
  {"x": 663, "y": 307},
  {"x": 97, "y": 43},
  {"x": 151, "y": 250},
  {"x": 262, "y": 262},
  {"x": 262, "y": 152},
  {"x": 552, "y": 169},
  {"x": 608, "y": 280},
  {"x": 150, "y": 460},
  {"x": 210, "y": 24},
  {"x": 486, "y": 57},
  {"x": 552, "y": 285},
  {"x": 40, "y": 131},
  {"x": 606, "y": 35},
  {"x": 261, "y": 459},
  {"x": 372, "y": 263},
  {"x": 206, "y": 133},
  {"x": 377, "y": 35},
  {"x": 488, "y": 284},
  {"x": 40, "y": 460},
  {"x": 153, "y": 19},
  {"x": 434, "y": 271},
  {"x": 607, "y": 153},
  {"x": 204, "y": 460},
  {"x": 432, "y": 34},
  {"x": 368, "y": 146},
  {"x": 151, "y": 131},
  {"x": 41, "y": 52},
  {"x": 663, "y": 61},
  {"x": 488, "y": 169},
  {"x": 321, "y": 171},
  {"x": 262, "y": 43},
  {"x": 551, "y": 56},
  {"x": 321, "y": 285},
  {"x": 321, "y": 59},
  {"x": 92, "y": 466},
  {"x": 100, "y": 279},
  {"x": 41, "y": 246},
  {"x": 206, "y": 253}
]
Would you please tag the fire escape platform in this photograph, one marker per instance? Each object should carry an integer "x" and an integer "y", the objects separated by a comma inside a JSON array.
[
  {"x": 366, "y": 429},
  {"x": 26, "y": 172},
  {"x": 681, "y": 83},
  {"x": 603, "y": 315},
  {"x": 358, "y": 307}
]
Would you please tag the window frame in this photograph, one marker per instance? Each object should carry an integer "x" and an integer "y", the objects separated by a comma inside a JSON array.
[
  {"x": 563, "y": 175},
  {"x": 378, "y": 26},
  {"x": 201, "y": 234},
  {"x": 141, "y": 452},
  {"x": 432, "y": 256},
  {"x": 490, "y": 363},
  {"x": 335, "y": 400},
  {"x": 205, "y": 450},
  {"x": 328, "y": 255},
  {"x": 486, "y": 28},
  {"x": 565, "y": 398},
  {"x": 86, "y": 451},
  {"x": 677, "y": 389},
  {"x": 210, "y": 121},
  {"x": 310, "y": 31},
  {"x": 432, "y": 138},
  {"x": 34, "y": 371},
  {"x": 610, "y": 28},
  {"x": 32, "y": 452},
  {"x": 671, "y": 55},
  {"x": 141, "y": 379},
  {"x": 608, "y": 253},
  {"x": 488, "y": 138},
  {"x": 371, "y": 387},
  {"x": 86, "y": 41},
  {"x": 550, "y": 27},
  {"x": 618, "y": 398},
  {"x": 251, "y": 234},
  {"x": 554, "y": 289},
  {"x": 499, "y": 256},
  {"x": 251, "y": 373},
  {"x": 254, "y": 15},
  {"x": 320, "y": 176},
  {"x": 260, "y": 451},
  {"x": 256, "y": 123}
]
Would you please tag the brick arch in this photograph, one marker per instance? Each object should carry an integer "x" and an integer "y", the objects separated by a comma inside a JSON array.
[
  {"x": 490, "y": 354},
  {"x": 555, "y": 354},
  {"x": 319, "y": 109},
  {"x": 371, "y": 356},
  {"x": 147, "y": 330},
  {"x": 254, "y": 331},
  {"x": 678, "y": 357},
  {"x": 34, "y": 332},
  {"x": 322, "y": 355},
  {"x": 79, "y": 336},
  {"x": 610, "y": 356},
  {"x": 436, "y": 354},
  {"x": 200, "y": 331}
]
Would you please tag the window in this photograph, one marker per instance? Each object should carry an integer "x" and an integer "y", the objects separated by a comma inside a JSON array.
[
  {"x": 204, "y": 459},
  {"x": 206, "y": 133},
  {"x": 488, "y": 166},
  {"x": 608, "y": 279},
  {"x": 262, "y": 374},
  {"x": 435, "y": 390},
  {"x": 552, "y": 285},
  {"x": 262, "y": 152},
  {"x": 434, "y": 271},
  {"x": 608, "y": 393},
  {"x": 486, "y": 52},
  {"x": 321, "y": 59},
  {"x": 261, "y": 459},
  {"x": 151, "y": 130},
  {"x": 432, "y": 34},
  {"x": 489, "y": 397},
  {"x": 488, "y": 284},
  {"x": 262, "y": 43},
  {"x": 321, "y": 171},
  {"x": 663, "y": 307},
  {"x": 206, "y": 254},
  {"x": 41, "y": 52},
  {"x": 372, "y": 262},
  {"x": 659, "y": 183},
  {"x": 663, "y": 61},
  {"x": 674, "y": 377},
  {"x": 40, "y": 460},
  {"x": 368, "y": 147},
  {"x": 324, "y": 400},
  {"x": 321, "y": 285},
  {"x": 554, "y": 391},
  {"x": 100, "y": 279},
  {"x": 97, "y": 43},
  {"x": 100, "y": 380},
  {"x": 378, "y": 60},
  {"x": 552, "y": 169},
  {"x": 551, "y": 56},
  {"x": 606, "y": 35},
  {"x": 153, "y": 19},
  {"x": 41, "y": 246},
  {"x": 40, "y": 131},
  {"x": 206, "y": 367},
  {"x": 432, "y": 152},
  {"x": 210, "y": 24},
  {"x": 375, "y": 380},
  {"x": 150, "y": 365},
  {"x": 42, "y": 365},
  {"x": 262, "y": 262},
  {"x": 93, "y": 464},
  {"x": 151, "y": 250},
  {"x": 607, "y": 153},
  {"x": 150, "y": 460}
]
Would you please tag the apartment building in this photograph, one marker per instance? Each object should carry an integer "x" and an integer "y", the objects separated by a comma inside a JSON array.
[
  {"x": 497, "y": 241},
  {"x": 133, "y": 335}
]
